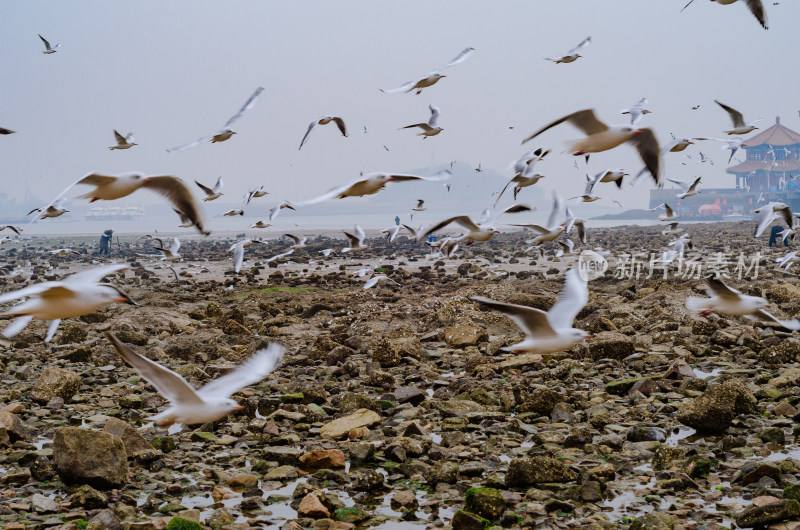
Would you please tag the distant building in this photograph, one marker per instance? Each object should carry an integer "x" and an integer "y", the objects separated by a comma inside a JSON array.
[{"x": 772, "y": 161}]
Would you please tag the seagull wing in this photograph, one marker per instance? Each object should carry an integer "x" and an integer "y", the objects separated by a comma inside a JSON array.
[
  {"x": 332, "y": 193},
  {"x": 558, "y": 208},
  {"x": 736, "y": 116},
  {"x": 94, "y": 275},
  {"x": 46, "y": 44},
  {"x": 760, "y": 314},
  {"x": 251, "y": 371},
  {"x": 716, "y": 287},
  {"x": 462, "y": 220},
  {"x": 757, "y": 8},
  {"x": 31, "y": 290},
  {"x": 249, "y": 104},
  {"x": 218, "y": 185},
  {"x": 176, "y": 245},
  {"x": 533, "y": 322},
  {"x": 308, "y": 131},
  {"x": 294, "y": 238},
  {"x": 3, "y": 130},
  {"x": 695, "y": 183},
  {"x": 360, "y": 234},
  {"x": 687, "y": 5},
  {"x": 585, "y": 120},
  {"x": 176, "y": 192},
  {"x": 121, "y": 140},
  {"x": 647, "y": 145},
  {"x": 460, "y": 58},
  {"x": 572, "y": 299},
  {"x": 681, "y": 184},
  {"x": 411, "y": 230},
  {"x": 238, "y": 256},
  {"x": 340, "y": 124},
  {"x": 169, "y": 384},
  {"x": 192, "y": 144},
  {"x": 583, "y": 44},
  {"x": 765, "y": 218},
  {"x": 442, "y": 175},
  {"x": 434, "y": 116},
  {"x": 206, "y": 189}
]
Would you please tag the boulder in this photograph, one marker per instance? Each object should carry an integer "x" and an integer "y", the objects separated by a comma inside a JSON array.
[
  {"x": 461, "y": 336},
  {"x": 131, "y": 439},
  {"x": 768, "y": 513},
  {"x": 82, "y": 456},
  {"x": 339, "y": 428},
  {"x": 312, "y": 507},
  {"x": 323, "y": 459},
  {"x": 540, "y": 400},
  {"x": 537, "y": 469},
  {"x": 486, "y": 502},
  {"x": 55, "y": 382},
  {"x": 715, "y": 409},
  {"x": 12, "y": 426},
  {"x": 611, "y": 345}
]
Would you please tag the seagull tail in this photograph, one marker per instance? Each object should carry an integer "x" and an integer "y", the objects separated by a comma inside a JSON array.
[{"x": 696, "y": 303}]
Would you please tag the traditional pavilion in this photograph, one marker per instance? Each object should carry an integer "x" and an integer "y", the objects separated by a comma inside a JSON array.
[{"x": 772, "y": 161}]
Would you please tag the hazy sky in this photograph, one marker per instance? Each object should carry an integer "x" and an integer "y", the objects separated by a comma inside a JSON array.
[{"x": 174, "y": 71}]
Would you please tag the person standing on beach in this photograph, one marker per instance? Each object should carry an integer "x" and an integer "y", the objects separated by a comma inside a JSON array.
[
  {"x": 105, "y": 242},
  {"x": 397, "y": 220}
]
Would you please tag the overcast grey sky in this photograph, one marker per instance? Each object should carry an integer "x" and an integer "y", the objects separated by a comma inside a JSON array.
[{"x": 174, "y": 71}]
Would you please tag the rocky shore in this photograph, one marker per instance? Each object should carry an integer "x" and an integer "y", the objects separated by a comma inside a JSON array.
[{"x": 397, "y": 407}]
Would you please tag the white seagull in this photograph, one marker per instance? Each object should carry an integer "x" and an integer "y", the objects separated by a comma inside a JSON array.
[
  {"x": 553, "y": 229},
  {"x": 687, "y": 190},
  {"x": 432, "y": 77},
  {"x": 260, "y": 224},
  {"x": 734, "y": 144},
  {"x": 171, "y": 253},
  {"x": 275, "y": 210},
  {"x": 209, "y": 403},
  {"x": 356, "y": 240},
  {"x": 573, "y": 54},
  {"x": 75, "y": 295},
  {"x": 108, "y": 188},
  {"x": 372, "y": 282},
  {"x": 48, "y": 50},
  {"x": 601, "y": 137},
  {"x": 53, "y": 210},
  {"x": 324, "y": 120},
  {"x": 226, "y": 132},
  {"x": 256, "y": 193},
  {"x": 672, "y": 230},
  {"x": 739, "y": 126},
  {"x": 483, "y": 230},
  {"x": 576, "y": 222},
  {"x": 298, "y": 242},
  {"x": 728, "y": 301},
  {"x": 669, "y": 214},
  {"x": 238, "y": 252},
  {"x": 430, "y": 128},
  {"x": 123, "y": 142},
  {"x": 771, "y": 211},
  {"x": 212, "y": 193},
  {"x": 755, "y": 7},
  {"x": 231, "y": 213},
  {"x": 637, "y": 111},
  {"x": 370, "y": 184},
  {"x": 551, "y": 331}
]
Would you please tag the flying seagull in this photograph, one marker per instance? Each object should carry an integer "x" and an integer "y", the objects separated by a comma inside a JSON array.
[
  {"x": 123, "y": 142},
  {"x": 108, "y": 188},
  {"x": 76, "y": 295},
  {"x": 432, "y": 77},
  {"x": 212, "y": 193},
  {"x": 430, "y": 128},
  {"x": 209, "y": 403},
  {"x": 226, "y": 132},
  {"x": 687, "y": 190},
  {"x": 482, "y": 230},
  {"x": 601, "y": 137},
  {"x": 573, "y": 54},
  {"x": 551, "y": 331},
  {"x": 370, "y": 184},
  {"x": 48, "y": 50},
  {"x": 728, "y": 301},
  {"x": 739, "y": 125},
  {"x": 325, "y": 120},
  {"x": 755, "y": 6},
  {"x": 637, "y": 111}
]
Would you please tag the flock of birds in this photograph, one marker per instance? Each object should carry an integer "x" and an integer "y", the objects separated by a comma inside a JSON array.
[{"x": 85, "y": 292}]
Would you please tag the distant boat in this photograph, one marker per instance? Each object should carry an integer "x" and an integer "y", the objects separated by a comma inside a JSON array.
[
  {"x": 114, "y": 213},
  {"x": 737, "y": 216}
]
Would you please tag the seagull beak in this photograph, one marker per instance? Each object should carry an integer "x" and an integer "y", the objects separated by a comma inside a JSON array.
[
  {"x": 637, "y": 131},
  {"x": 125, "y": 300},
  {"x": 238, "y": 407},
  {"x": 146, "y": 179},
  {"x": 588, "y": 336}
]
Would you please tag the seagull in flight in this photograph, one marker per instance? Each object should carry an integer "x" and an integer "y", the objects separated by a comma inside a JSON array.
[
  {"x": 755, "y": 7},
  {"x": 226, "y": 132},
  {"x": 53, "y": 210},
  {"x": 432, "y": 77},
  {"x": 637, "y": 111},
  {"x": 123, "y": 142},
  {"x": 212, "y": 193},
  {"x": 739, "y": 125},
  {"x": 109, "y": 188},
  {"x": 551, "y": 331},
  {"x": 687, "y": 190},
  {"x": 209, "y": 403},
  {"x": 573, "y": 54},
  {"x": 325, "y": 120},
  {"x": 356, "y": 240},
  {"x": 48, "y": 50},
  {"x": 601, "y": 137},
  {"x": 370, "y": 184},
  {"x": 728, "y": 301},
  {"x": 76, "y": 295},
  {"x": 483, "y": 230},
  {"x": 430, "y": 128}
]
